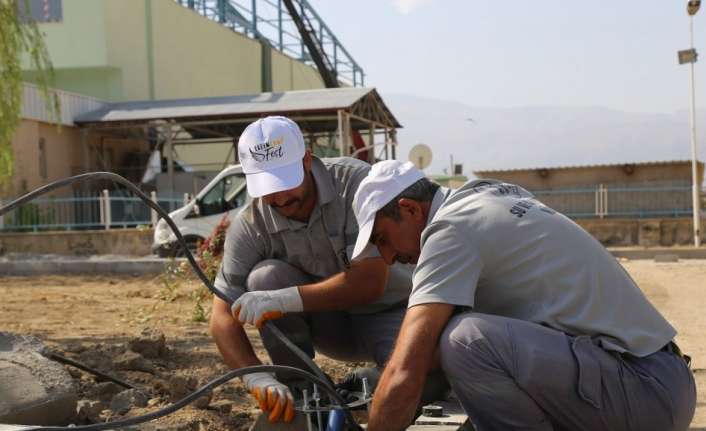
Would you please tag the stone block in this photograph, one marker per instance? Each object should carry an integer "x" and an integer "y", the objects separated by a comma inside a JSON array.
[
  {"x": 90, "y": 411},
  {"x": 35, "y": 390},
  {"x": 132, "y": 361},
  {"x": 181, "y": 386},
  {"x": 149, "y": 344},
  {"x": 128, "y": 399},
  {"x": 650, "y": 233},
  {"x": 104, "y": 391}
]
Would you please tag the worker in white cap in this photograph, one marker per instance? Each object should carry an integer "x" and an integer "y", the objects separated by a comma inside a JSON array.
[
  {"x": 287, "y": 257},
  {"x": 534, "y": 323}
]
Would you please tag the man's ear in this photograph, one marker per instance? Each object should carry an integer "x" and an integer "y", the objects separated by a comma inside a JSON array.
[
  {"x": 307, "y": 161},
  {"x": 411, "y": 208}
]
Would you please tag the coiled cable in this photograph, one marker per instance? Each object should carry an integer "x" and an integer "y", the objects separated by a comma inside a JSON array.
[{"x": 316, "y": 376}]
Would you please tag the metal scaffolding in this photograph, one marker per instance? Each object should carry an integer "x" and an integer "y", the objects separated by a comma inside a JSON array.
[{"x": 269, "y": 20}]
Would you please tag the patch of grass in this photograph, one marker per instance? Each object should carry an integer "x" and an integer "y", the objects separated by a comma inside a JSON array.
[{"x": 176, "y": 275}]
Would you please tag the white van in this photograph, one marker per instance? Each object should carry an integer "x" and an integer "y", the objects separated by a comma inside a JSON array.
[{"x": 226, "y": 193}]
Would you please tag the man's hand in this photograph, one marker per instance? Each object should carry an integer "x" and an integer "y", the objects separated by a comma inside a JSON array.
[
  {"x": 273, "y": 396},
  {"x": 400, "y": 388},
  {"x": 257, "y": 307}
]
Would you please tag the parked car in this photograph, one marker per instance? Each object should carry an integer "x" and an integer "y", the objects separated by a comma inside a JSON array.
[{"x": 226, "y": 193}]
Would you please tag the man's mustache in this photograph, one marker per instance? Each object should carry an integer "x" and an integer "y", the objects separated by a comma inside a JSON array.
[{"x": 286, "y": 204}]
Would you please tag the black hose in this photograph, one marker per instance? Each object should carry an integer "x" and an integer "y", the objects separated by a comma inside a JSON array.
[
  {"x": 162, "y": 213},
  {"x": 120, "y": 180},
  {"x": 319, "y": 376},
  {"x": 196, "y": 394},
  {"x": 80, "y": 366}
]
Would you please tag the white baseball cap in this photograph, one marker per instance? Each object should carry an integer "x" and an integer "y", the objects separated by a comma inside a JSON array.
[
  {"x": 271, "y": 151},
  {"x": 384, "y": 182}
]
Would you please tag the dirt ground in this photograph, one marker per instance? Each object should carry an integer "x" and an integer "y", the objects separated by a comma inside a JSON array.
[{"x": 92, "y": 319}]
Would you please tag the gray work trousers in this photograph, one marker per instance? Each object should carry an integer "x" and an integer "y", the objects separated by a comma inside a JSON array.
[
  {"x": 336, "y": 334},
  {"x": 515, "y": 375}
]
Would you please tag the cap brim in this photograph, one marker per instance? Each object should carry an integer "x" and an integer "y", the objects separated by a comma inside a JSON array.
[
  {"x": 275, "y": 180},
  {"x": 363, "y": 248}
]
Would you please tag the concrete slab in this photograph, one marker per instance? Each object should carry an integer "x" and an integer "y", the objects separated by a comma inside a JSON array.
[
  {"x": 453, "y": 414},
  {"x": 35, "y": 390}
]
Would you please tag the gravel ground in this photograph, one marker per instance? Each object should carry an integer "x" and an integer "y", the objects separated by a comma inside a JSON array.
[{"x": 95, "y": 319}]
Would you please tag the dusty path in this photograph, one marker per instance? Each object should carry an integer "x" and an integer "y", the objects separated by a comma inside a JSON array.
[
  {"x": 678, "y": 290},
  {"x": 93, "y": 318}
]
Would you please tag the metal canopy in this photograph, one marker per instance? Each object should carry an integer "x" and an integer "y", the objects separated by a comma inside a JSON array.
[
  {"x": 314, "y": 110},
  {"x": 486, "y": 172},
  {"x": 327, "y": 117}
]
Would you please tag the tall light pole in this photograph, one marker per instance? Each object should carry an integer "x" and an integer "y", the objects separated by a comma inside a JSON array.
[{"x": 689, "y": 56}]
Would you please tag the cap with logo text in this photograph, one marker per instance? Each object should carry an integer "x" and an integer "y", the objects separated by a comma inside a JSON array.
[{"x": 271, "y": 151}]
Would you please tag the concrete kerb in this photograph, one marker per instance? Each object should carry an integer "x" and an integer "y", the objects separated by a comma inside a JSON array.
[
  {"x": 43, "y": 265},
  {"x": 659, "y": 253},
  {"x": 33, "y": 265}
]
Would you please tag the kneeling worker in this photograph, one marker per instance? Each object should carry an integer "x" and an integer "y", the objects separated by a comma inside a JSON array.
[
  {"x": 287, "y": 254},
  {"x": 535, "y": 324}
]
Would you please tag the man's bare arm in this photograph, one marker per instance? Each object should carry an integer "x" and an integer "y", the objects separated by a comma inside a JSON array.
[
  {"x": 363, "y": 283},
  {"x": 230, "y": 337},
  {"x": 399, "y": 391}
]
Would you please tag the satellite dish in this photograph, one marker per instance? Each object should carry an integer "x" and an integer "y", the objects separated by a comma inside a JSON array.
[
  {"x": 693, "y": 6},
  {"x": 420, "y": 155}
]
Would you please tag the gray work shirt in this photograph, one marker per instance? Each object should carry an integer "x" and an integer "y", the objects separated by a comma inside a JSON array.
[
  {"x": 322, "y": 247},
  {"x": 493, "y": 247}
]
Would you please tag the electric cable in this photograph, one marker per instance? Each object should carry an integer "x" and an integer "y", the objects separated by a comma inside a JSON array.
[
  {"x": 317, "y": 376},
  {"x": 117, "y": 178},
  {"x": 197, "y": 393},
  {"x": 64, "y": 360},
  {"x": 162, "y": 213}
]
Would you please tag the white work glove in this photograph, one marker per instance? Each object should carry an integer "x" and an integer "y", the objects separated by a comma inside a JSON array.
[
  {"x": 257, "y": 307},
  {"x": 273, "y": 396}
]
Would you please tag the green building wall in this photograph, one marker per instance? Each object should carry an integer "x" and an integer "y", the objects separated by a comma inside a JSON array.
[{"x": 121, "y": 50}]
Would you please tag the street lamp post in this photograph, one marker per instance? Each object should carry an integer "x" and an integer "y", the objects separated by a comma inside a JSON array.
[{"x": 693, "y": 7}]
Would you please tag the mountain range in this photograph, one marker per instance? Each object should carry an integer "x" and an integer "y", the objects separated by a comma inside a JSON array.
[{"x": 489, "y": 138}]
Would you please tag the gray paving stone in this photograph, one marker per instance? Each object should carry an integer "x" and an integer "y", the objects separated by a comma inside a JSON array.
[
  {"x": 262, "y": 424},
  {"x": 35, "y": 390}
]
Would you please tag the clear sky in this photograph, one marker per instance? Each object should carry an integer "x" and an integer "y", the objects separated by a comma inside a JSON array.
[{"x": 616, "y": 54}]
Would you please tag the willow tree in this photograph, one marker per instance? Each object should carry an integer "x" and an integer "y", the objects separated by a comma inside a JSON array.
[{"x": 19, "y": 37}]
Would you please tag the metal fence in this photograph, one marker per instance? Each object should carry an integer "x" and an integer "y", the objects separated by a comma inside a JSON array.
[
  {"x": 620, "y": 201},
  {"x": 116, "y": 210},
  {"x": 102, "y": 211}
]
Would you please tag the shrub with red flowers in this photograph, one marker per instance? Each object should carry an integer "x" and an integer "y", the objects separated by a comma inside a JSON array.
[{"x": 210, "y": 252}]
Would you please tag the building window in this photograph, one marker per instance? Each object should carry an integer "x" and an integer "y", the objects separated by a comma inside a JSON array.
[
  {"x": 42, "y": 10},
  {"x": 42, "y": 159}
]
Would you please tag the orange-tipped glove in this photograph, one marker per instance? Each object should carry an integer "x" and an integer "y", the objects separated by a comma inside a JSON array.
[
  {"x": 273, "y": 396},
  {"x": 257, "y": 307}
]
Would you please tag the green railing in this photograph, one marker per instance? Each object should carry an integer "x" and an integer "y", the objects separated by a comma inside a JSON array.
[{"x": 104, "y": 211}]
